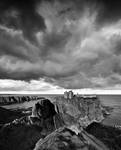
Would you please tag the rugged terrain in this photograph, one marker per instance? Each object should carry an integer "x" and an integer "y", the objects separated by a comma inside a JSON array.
[
  {"x": 7, "y": 116},
  {"x": 10, "y": 99},
  {"x": 60, "y": 125},
  {"x": 80, "y": 110},
  {"x": 109, "y": 135}
]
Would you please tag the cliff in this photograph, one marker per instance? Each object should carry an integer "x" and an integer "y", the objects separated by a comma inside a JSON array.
[
  {"x": 23, "y": 133},
  {"x": 43, "y": 115},
  {"x": 79, "y": 110},
  {"x": 51, "y": 127},
  {"x": 66, "y": 139},
  {"x": 8, "y": 99}
]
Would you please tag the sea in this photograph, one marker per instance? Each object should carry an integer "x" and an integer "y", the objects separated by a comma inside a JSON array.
[{"x": 113, "y": 101}]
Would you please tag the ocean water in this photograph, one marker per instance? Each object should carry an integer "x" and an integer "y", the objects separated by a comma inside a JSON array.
[
  {"x": 114, "y": 101},
  {"x": 110, "y": 100}
]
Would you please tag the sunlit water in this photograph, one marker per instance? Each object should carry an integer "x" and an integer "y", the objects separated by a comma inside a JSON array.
[{"x": 107, "y": 100}]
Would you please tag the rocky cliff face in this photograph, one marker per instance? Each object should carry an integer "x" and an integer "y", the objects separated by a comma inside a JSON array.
[
  {"x": 66, "y": 139},
  {"x": 48, "y": 128},
  {"x": 43, "y": 115},
  {"x": 17, "y": 99},
  {"x": 80, "y": 110},
  {"x": 23, "y": 133}
]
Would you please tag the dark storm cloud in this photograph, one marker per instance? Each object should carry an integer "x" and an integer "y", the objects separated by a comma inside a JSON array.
[
  {"x": 110, "y": 11},
  {"x": 59, "y": 42},
  {"x": 54, "y": 42},
  {"x": 21, "y": 15},
  {"x": 13, "y": 46}
]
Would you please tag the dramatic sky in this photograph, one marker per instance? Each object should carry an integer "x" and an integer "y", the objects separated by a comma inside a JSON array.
[{"x": 52, "y": 45}]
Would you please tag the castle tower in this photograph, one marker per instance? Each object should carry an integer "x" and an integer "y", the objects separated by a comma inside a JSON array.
[
  {"x": 66, "y": 95},
  {"x": 70, "y": 94}
]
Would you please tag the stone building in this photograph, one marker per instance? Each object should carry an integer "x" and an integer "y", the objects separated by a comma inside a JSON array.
[{"x": 68, "y": 95}]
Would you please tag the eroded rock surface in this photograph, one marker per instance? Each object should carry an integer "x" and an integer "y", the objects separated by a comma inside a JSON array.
[
  {"x": 66, "y": 139},
  {"x": 23, "y": 133},
  {"x": 79, "y": 110},
  {"x": 45, "y": 128},
  {"x": 5, "y": 100}
]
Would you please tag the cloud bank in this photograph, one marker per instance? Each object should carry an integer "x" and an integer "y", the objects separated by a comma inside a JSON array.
[{"x": 62, "y": 44}]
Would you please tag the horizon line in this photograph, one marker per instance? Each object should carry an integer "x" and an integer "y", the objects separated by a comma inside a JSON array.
[{"x": 79, "y": 91}]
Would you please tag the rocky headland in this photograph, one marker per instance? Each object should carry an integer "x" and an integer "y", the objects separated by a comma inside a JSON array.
[
  {"x": 11, "y": 99},
  {"x": 60, "y": 125},
  {"x": 80, "y": 110}
]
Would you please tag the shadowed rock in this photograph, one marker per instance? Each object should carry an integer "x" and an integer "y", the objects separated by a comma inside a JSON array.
[
  {"x": 7, "y": 116},
  {"x": 44, "y": 114},
  {"x": 65, "y": 139},
  {"x": 23, "y": 133}
]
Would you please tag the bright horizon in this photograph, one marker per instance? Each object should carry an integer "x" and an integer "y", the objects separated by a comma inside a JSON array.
[{"x": 82, "y": 91}]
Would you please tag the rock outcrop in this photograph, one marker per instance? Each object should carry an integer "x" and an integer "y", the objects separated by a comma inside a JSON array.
[
  {"x": 23, "y": 133},
  {"x": 79, "y": 110},
  {"x": 48, "y": 127},
  {"x": 43, "y": 115},
  {"x": 4, "y": 100},
  {"x": 66, "y": 139}
]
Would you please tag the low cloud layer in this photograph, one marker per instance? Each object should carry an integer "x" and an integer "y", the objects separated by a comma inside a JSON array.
[{"x": 64, "y": 44}]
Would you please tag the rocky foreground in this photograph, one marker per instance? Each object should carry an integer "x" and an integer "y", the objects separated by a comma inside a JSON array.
[{"x": 54, "y": 126}]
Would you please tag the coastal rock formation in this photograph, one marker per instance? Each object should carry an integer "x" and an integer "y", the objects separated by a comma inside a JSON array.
[
  {"x": 23, "y": 133},
  {"x": 79, "y": 110},
  {"x": 8, "y": 99},
  {"x": 66, "y": 139},
  {"x": 43, "y": 115},
  {"x": 52, "y": 126}
]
